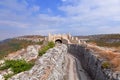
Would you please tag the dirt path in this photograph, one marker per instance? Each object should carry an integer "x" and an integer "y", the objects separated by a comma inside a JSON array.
[
  {"x": 71, "y": 70},
  {"x": 74, "y": 69}
]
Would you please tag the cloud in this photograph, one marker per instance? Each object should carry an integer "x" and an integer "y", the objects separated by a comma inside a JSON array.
[
  {"x": 93, "y": 7},
  {"x": 13, "y": 24},
  {"x": 93, "y": 14},
  {"x": 46, "y": 31},
  {"x": 63, "y": 0},
  {"x": 74, "y": 16}
]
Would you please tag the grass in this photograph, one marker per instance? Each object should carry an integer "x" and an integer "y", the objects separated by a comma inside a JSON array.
[
  {"x": 111, "y": 40},
  {"x": 46, "y": 47},
  {"x": 8, "y": 76},
  {"x": 16, "y": 66},
  {"x": 113, "y": 58},
  {"x": 105, "y": 44}
]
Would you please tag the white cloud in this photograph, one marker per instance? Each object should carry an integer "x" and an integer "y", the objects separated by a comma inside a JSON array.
[
  {"x": 63, "y": 0},
  {"x": 93, "y": 7},
  {"x": 81, "y": 17},
  {"x": 92, "y": 12},
  {"x": 46, "y": 31},
  {"x": 13, "y": 24}
]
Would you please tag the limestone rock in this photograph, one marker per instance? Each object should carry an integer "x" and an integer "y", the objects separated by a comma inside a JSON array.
[
  {"x": 48, "y": 67},
  {"x": 28, "y": 54},
  {"x": 1, "y": 62},
  {"x": 1, "y": 77},
  {"x": 92, "y": 64}
]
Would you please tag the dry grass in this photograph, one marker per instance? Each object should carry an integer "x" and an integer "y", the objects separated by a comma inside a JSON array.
[{"x": 111, "y": 56}]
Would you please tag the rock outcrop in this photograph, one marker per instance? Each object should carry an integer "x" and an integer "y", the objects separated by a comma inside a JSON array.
[
  {"x": 28, "y": 54},
  {"x": 1, "y": 77},
  {"x": 63, "y": 63},
  {"x": 50, "y": 66},
  {"x": 92, "y": 64}
]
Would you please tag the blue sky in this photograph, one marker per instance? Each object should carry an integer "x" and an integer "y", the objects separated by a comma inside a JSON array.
[{"x": 78, "y": 17}]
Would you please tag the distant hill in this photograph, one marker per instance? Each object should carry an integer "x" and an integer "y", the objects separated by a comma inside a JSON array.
[
  {"x": 110, "y": 40},
  {"x": 83, "y": 37},
  {"x": 31, "y": 36},
  {"x": 11, "y": 45},
  {"x": 105, "y": 36}
]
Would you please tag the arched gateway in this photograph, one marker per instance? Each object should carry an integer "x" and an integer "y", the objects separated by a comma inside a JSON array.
[{"x": 62, "y": 38}]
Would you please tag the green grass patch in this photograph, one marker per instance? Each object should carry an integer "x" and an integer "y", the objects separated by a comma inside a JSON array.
[
  {"x": 46, "y": 47},
  {"x": 8, "y": 76},
  {"x": 16, "y": 66}
]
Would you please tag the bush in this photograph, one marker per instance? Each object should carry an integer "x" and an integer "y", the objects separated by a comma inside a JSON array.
[
  {"x": 8, "y": 76},
  {"x": 51, "y": 44},
  {"x": 105, "y": 65},
  {"x": 16, "y": 66},
  {"x": 45, "y": 48}
]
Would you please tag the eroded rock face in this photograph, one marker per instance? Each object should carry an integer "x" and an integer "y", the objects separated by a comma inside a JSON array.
[
  {"x": 92, "y": 64},
  {"x": 28, "y": 54},
  {"x": 56, "y": 65},
  {"x": 48, "y": 67}
]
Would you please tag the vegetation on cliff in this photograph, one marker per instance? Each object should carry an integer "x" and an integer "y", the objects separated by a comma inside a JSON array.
[
  {"x": 16, "y": 66},
  {"x": 46, "y": 47}
]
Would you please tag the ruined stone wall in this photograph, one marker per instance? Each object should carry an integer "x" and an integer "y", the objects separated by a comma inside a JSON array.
[
  {"x": 91, "y": 63},
  {"x": 50, "y": 66}
]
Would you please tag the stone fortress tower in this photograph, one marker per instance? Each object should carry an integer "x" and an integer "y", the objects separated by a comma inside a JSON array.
[{"x": 68, "y": 37}]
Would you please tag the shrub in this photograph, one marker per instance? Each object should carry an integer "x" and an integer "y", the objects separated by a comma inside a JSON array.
[
  {"x": 16, "y": 66},
  {"x": 45, "y": 48},
  {"x": 105, "y": 65},
  {"x": 8, "y": 76},
  {"x": 51, "y": 44}
]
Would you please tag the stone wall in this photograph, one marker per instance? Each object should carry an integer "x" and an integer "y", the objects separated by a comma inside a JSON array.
[
  {"x": 50, "y": 66},
  {"x": 91, "y": 63}
]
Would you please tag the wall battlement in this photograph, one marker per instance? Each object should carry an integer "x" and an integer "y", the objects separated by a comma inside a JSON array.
[{"x": 68, "y": 37}]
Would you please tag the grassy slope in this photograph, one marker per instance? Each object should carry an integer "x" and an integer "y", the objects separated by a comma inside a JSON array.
[
  {"x": 106, "y": 40},
  {"x": 13, "y": 45}
]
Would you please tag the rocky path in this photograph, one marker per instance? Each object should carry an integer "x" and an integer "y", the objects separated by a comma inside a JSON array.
[
  {"x": 71, "y": 70},
  {"x": 74, "y": 69},
  {"x": 81, "y": 72}
]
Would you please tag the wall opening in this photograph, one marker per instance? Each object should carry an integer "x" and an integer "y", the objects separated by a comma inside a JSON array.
[{"x": 58, "y": 41}]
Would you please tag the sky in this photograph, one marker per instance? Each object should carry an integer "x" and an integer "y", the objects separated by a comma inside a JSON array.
[{"x": 40, "y": 17}]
